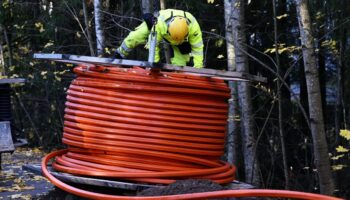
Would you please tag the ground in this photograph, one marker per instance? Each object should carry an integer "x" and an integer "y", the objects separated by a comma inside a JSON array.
[{"x": 16, "y": 183}]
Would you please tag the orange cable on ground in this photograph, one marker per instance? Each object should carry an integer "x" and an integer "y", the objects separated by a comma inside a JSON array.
[
  {"x": 132, "y": 125},
  {"x": 203, "y": 195}
]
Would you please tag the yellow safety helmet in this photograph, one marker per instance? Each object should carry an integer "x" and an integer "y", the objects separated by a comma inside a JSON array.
[{"x": 178, "y": 29}]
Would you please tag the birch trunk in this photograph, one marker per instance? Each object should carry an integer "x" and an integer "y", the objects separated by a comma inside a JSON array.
[
  {"x": 244, "y": 94},
  {"x": 98, "y": 27},
  {"x": 87, "y": 29},
  {"x": 231, "y": 139},
  {"x": 320, "y": 147},
  {"x": 2, "y": 62}
]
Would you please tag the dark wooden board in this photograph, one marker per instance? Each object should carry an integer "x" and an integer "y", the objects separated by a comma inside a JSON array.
[{"x": 221, "y": 74}]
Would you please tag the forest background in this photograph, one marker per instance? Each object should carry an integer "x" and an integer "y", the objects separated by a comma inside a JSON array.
[{"x": 272, "y": 137}]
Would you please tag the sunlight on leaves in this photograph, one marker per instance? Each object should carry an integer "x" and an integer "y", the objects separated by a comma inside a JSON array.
[
  {"x": 319, "y": 15},
  {"x": 282, "y": 16},
  {"x": 107, "y": 50},
  {"x": 40, "y": 27},
  {"x": 219, "y": 43},
  {"x": 338, "y": 167},
  {"x": 345, "y": 134},
  {"x": 58, "y": 78},
  {"x": 337, "y": 157},
  {"x": 6, "y": 4},
  {"x": 18, "y": 27},
  {"x": 220, "y": 56},
  {"x": 211, "y": 1},
  {"x": 24, "y": 49},
  {"x": 341, "y": 149},
  {"x": 78, "y": 34},
  {"x": 49, "y": 44}
]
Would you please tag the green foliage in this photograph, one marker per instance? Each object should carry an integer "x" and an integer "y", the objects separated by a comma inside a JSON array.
[{"x": 38, "y": 104}]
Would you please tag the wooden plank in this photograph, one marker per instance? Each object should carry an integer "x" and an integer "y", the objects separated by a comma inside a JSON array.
[
  {"x": 226, "y": 75},
  {"x": 36, "y": 169},
  {"x": 12, "y": 80}
]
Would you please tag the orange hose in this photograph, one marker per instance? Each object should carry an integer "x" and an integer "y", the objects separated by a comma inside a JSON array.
[
  {"x": 154, "y": 128},
  {"x": 203, "y": 195},
  {"x": 128, "y": 124}
]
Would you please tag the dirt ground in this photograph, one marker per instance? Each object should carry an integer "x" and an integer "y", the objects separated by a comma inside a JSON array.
[{"x": 16, "y": 183}]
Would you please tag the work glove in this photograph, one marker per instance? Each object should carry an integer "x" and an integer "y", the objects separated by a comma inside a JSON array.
[{"x": 118, "y": 55}]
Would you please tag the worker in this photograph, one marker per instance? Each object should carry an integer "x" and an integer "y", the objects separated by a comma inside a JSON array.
[{"x": 176, "y": 27}]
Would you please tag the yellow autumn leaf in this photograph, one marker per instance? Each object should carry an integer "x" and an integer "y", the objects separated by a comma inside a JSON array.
[
  {"x": 341, "y": 149},
  {"x": 210, "y": 1},
  {"x": 48, "y": 44},
  {"x": 40, "y": 26},
  {"x": 6, "y": 4},
  {"x": 345, "y": 133},
  {"x": 107, "y": 50},
  {"x": 282, "y": 16},
  {"x": 78, "y": 34},
  {"x": 58, "y": 78},
  {"x": 38, "y": 178},
  {"x": 338, "y": 167},
  {"x": 220, "y": 56},
  {"x": 24, "y": 49},
  {"x": 28, "y": 188},
  {"x": 337, "y": 157},
  {"x": 319, "y": 15},
  {"x": 280, "y": 51}
]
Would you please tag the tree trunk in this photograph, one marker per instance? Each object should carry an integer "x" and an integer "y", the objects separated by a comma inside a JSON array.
[
  {"x": 99, "y": 27},
  {"x": 279, "y": 99},
  {"x": 9, "y": 47},
  {"x": 231, "y": 138},
  {"x": 165, "y": 45},
  {"x": 87, "y": 29},
  {"x": 2, "y": 61},
  {"x": 147, "y": 6},
  {"x": 314, "y": 97},
  {"x": 244, "y": 94}
]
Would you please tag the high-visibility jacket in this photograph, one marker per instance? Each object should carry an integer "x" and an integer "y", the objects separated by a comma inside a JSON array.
[{"x": 140, "y": 36}]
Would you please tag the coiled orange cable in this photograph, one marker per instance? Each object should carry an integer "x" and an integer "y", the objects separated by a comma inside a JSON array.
[
  {"x": 130, "y": 124},
  {"x": 133, "y": 125}
]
